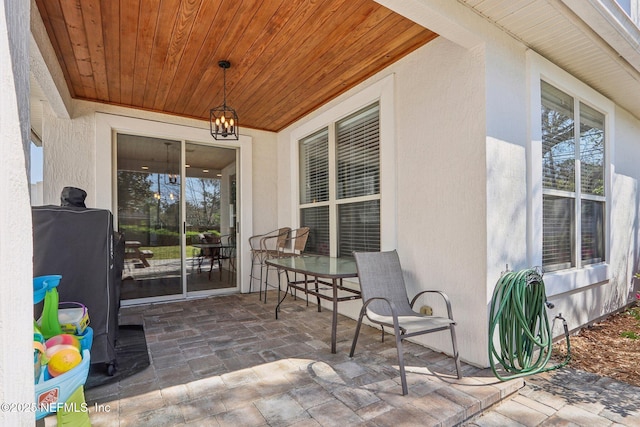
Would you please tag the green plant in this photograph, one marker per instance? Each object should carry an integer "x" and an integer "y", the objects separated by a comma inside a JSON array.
[
  {"x": 634, "y": 312},
  {"x": 630, "y": 334}
]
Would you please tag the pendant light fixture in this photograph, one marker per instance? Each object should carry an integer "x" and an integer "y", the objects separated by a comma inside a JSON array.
[
  {"x": 169, "y": 178},
  {"x": 223, "y": 120}
]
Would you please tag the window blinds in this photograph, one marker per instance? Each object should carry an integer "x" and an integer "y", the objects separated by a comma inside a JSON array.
[
  {"x": 358, "y": 154},
  {"x": 592, "y": 241},
  {"x": 314, "y": 168},
  {"x": 317, "y": 219},
  {"x": 358, "y": 227},
  {"x": 348, "y": 214},
  {"x": 557, "y": 233}
]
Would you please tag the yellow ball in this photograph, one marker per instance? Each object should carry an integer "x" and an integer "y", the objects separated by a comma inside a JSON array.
[{"x": 63, "y": 360}]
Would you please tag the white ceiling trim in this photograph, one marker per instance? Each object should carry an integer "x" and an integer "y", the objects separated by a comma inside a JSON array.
[
  {"x": 601, "y": 49},
  {"x": 436, "y": 16},
  {"x": 612, "y": 24},
  {"x": 45, "y": 69}
]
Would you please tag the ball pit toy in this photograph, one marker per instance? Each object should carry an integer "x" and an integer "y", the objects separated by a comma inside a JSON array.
[{"x": 61, "y": 363}]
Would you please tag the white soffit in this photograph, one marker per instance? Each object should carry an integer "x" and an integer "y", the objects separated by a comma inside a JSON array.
[{"x": 591, "y": 39}]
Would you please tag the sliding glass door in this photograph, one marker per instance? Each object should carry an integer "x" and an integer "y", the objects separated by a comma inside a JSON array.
[
  {"x": 173, "y": 207},
  {"x": 210, "y": 227}
]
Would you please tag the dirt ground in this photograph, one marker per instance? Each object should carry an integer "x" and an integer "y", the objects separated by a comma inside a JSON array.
[{"x": 608, "y": 348}]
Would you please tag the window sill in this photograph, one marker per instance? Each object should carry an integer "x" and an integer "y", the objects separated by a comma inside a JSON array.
[{"x": 559, "y": 282}]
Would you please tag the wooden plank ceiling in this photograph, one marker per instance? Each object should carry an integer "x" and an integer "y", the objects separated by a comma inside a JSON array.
[{"x": 288, "y": 57}]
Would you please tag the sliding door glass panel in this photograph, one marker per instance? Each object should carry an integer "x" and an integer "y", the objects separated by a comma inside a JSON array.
[
  {"x": 210, "y": 213},
  {"x": 148, "y": 197}
]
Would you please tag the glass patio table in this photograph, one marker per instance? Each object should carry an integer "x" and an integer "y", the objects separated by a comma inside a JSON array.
[{"x": 319, "y": 270}]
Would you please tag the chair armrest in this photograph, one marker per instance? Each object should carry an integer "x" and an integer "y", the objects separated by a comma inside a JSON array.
[
  {"x": 254, "y": 242},
  {"x": 264, "y": 242},
  {"x": 444, "y": 296},
  {"x": 394, "y": 314}
]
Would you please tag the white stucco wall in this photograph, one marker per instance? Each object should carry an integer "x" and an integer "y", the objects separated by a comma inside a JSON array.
[
  {"x": 509, "y": 188},
  {"x": 16, "y": 271},
  {"x": 68, "y": 156},
  {"x": 511, "y": 215},
  {"x": 441, "y": 191}
]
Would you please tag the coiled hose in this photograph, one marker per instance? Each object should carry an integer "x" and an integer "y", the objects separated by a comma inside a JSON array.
[{"x": 518, "y": 313}]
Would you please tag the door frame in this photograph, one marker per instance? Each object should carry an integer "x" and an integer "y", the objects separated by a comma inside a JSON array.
[{"x": 109, "y": 125}]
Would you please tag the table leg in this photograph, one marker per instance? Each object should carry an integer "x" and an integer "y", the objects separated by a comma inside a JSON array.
[
  {"x": 334, "y": 320},
  {"x": 317, "y": 297},
  {"x": 285, "y": 294},
  {"x": 143, "y": 258}
]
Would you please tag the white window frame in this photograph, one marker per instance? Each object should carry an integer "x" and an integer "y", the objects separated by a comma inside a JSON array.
[
  {"x": 382, "y": 92},
  {"x": 562, "y": 281},
  {"x": 36, "y": 189}
]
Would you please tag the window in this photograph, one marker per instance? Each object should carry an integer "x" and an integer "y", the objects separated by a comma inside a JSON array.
[
  {"x": 625, "y": 5},
  {"x": 573, "y": 181},
  {"x": 36, "y": 170},
  {"x": 340, "y": 185}
]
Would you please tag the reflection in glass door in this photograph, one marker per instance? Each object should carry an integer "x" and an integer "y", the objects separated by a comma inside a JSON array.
[
  {"x": 179, "y": 230},
  {"x": 210, "y": 234},
  {"x": 149, "y": 216}
]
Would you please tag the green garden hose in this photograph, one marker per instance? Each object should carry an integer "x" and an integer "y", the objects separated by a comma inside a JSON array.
[{"x": 519, "y": 314}]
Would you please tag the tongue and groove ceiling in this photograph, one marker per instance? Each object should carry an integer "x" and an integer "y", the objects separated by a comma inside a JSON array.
[{"x": 288, "y": 57}]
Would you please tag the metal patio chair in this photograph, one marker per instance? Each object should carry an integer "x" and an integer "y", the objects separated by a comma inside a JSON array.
[
  {"x": 213, "y": 253},
  {"x": 292, "y": 245},
  {"x": 228, "y": 252},
  {"x": 262, "y": 245},
  {"x": 385, "y": 302}
]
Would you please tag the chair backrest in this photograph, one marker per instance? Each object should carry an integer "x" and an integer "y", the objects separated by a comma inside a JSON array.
[
  {"x": 283, "y": 235},
  {"x": 380, "y": 275},
  {"x": 210, "y": 238},
  {"x": 295, "y": 243},
  {"x": 268, "y": 240},
  {"x": 300, "y": 239},
  {"x": 230, "y": 239}
]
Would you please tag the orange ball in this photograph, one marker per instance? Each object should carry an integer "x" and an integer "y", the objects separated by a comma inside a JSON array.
[{"x": 63, "y": 361}]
